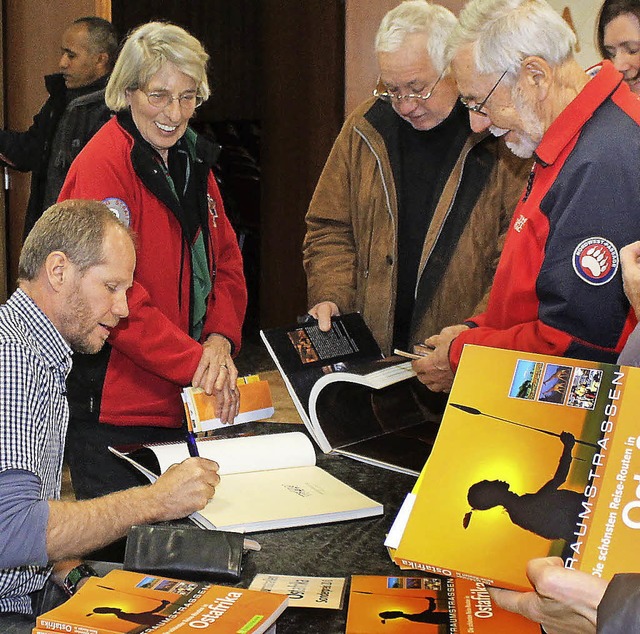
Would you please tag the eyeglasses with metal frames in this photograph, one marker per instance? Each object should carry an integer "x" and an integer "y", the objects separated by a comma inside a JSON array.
[
  {"x": 477, "y": 108},
  {"x": 382, "y": 92},
  {"x": 161, "y": 99}
]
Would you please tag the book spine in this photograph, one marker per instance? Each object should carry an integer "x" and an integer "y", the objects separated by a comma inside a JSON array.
[
  {"x": 46, "y": 626},
  {"x": 449, "y": 573}
]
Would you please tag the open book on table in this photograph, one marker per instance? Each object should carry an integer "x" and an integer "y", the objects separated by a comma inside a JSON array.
[
  {"x": 266, "y": 482},
  {"x": 536, "y": 456},
  {"x": 255, "y": 404},
  {"x": 352, "y": 400}
]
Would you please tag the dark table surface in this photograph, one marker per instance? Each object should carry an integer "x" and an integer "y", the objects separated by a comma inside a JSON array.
[{"x": 340, "y": 549}]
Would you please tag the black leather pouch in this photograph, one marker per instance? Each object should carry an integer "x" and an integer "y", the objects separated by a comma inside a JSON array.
[{"x": 184, "y": 552}]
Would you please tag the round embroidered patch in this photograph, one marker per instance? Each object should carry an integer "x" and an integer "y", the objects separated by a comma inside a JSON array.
[
  {"x": 119, "y": 209},
  {"x": 595, "y": 260}
]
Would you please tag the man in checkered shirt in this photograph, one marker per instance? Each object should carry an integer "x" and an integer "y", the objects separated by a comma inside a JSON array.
[{"x": 75, "y": 269}]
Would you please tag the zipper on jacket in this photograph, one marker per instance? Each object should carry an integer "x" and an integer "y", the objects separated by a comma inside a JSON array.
[
  {"x": 386, "y": 195},
  {"x": 529, "y": 186}
]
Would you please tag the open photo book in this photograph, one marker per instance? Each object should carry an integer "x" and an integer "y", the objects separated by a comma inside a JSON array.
[
  {"x": 353, "y": 400},
  {"x": 536, "y": 456},
  {"x": 266, "y": 482}
]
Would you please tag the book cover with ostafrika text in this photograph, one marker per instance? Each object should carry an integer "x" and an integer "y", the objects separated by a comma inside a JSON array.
[
  {"x": 431, "y": 604},
  {"x": 133, "y": 603},
  {"x": 536, "y": 456}
]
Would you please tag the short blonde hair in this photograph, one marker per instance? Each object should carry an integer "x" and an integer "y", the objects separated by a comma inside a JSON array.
[
  {"x": 75, "y": 227},
  {"x": 145, "y": 50}
]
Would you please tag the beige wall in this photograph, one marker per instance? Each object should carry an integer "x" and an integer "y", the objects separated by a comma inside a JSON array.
[
  {"x": 33, "y": 29},
  {"x": 361, "y": 24}
]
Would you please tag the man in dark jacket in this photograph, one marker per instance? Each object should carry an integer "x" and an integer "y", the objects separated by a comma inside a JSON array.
[{"x": 74, "y": 111}]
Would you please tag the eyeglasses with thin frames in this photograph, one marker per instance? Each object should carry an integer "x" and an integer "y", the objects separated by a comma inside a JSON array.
[
  {"x": 382, "y": 92},
  {"x": 161, "y": 99},
  {"x": 478, "y": 108}
]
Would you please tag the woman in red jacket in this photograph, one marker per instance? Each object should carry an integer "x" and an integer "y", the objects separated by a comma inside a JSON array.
[{"x": 189, "y": 296}]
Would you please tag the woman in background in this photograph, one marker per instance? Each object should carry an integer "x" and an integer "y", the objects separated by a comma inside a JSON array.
[
  {"x": 618, "y": 35},
  {"x": 188, "y": 300}
]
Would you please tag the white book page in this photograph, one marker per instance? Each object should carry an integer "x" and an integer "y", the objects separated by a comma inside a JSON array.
[{"x": 245, "y": 453}]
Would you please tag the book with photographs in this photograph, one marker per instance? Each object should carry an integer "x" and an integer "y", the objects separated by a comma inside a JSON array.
[
  {"x": 134, "y": 603},
  {"x": 255, "y": 404},
  {"x": 429, "y": 604},
  {"x": 352, "y": 399},
  {"x": 536, "y": 456},
  {"x": 267, "y": 482}
]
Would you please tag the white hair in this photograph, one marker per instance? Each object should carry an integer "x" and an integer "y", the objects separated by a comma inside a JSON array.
[
  {"x": 417, "y": 16},
  {"x": 507, "y": 31}
]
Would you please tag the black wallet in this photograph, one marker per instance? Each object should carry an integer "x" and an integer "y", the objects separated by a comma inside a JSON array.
[{"x": 184, "y": 552}]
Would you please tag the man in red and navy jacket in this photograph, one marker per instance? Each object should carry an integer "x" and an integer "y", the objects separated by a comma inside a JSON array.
[{"x": 558, "y": 286}]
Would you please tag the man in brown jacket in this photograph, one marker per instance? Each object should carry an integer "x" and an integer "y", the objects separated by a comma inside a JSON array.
[{"x": 407, "y": 221}]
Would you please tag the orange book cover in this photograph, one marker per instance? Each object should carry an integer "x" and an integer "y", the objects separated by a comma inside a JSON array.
[
  {"x": 255, "y": 404},
  {"x": 535, "y": 456},
  {"x": 132, "y": 603},
  {"x": 433, "y": 604}
]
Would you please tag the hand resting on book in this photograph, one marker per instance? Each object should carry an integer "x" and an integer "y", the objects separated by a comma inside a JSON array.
[
  {"x": 323, "y": 312},
  {"x": 217, "y": 374}
]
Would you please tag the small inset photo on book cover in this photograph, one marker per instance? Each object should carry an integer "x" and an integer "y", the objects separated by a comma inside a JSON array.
[
  {"x": 302, "y": 343},
  {"x": 526, "y": 379},
  {"x": 584, "y": 388},
  {"x": 555, "y": 383}
]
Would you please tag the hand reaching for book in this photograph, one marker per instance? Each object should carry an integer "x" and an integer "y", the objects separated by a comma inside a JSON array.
[
  {"x": 186, "y": 487},
  {"x": 564, "y": 601}
]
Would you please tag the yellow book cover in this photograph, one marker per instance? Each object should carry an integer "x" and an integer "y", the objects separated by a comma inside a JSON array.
[
  {"x": 437, "y": 605},
  {"x": 132, "y": 603},
  {"x": 536, "y": 456},
  {"x": 255, "y": 404}
]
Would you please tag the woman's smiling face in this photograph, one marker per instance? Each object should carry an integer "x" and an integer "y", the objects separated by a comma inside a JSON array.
[
  {"x": 162, "y": 127},
  {"x": 622, "y": 44}
]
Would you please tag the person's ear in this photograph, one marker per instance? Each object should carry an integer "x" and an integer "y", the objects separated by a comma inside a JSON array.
[
  {"x": 57, "y": 268},
  {"x": 103, "y": 62},
  {"x": 537, "y": 75}
]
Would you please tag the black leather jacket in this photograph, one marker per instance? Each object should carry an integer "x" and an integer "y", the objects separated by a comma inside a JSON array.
[{"x": 67, "y": 120}]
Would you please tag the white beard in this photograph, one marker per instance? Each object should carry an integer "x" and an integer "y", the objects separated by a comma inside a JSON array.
[{"x": 526, "y": 143}]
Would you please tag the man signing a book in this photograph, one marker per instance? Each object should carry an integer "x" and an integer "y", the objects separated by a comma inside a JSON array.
[{"x": 74, "y": 272}]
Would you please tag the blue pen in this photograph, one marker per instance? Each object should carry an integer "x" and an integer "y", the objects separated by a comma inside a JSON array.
[
  {"x": 191, "y": 438},
  {"x": 192, "y": 446}
]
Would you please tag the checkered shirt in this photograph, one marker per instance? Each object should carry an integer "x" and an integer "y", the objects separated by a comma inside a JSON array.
[{"x": 34, "y": 363}]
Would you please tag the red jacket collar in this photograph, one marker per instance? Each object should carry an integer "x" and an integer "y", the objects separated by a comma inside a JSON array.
[{"x": 573, "y": 118}]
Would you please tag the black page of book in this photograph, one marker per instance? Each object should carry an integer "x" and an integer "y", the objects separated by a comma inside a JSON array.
[
  {"x": 396, "y": 425},
  {"x": 305, "y": 353}
]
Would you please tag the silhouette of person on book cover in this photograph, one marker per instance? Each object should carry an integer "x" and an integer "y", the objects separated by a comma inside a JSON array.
[
  {"x": 551, "y": 512},
  {"x": 149, "y": 618},
  {"x": 430, "y": 615}
]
